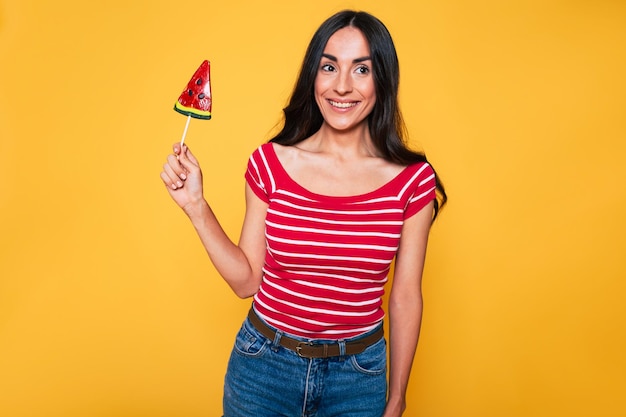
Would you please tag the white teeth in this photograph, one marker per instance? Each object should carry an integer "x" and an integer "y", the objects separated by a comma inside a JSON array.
[{"x": 341, "y": 105}]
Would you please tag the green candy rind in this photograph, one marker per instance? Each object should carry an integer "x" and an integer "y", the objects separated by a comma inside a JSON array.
[{"x": 188, "y": 111}]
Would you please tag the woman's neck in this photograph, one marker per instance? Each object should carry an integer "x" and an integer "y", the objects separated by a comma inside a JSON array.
[{"x": 355, "y": 142}]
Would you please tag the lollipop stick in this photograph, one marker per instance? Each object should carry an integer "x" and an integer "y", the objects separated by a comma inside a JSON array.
[{"x": 182, "y": 140}]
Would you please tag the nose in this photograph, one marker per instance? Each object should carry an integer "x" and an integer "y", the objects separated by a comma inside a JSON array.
[{"x": 343, "y": 83}]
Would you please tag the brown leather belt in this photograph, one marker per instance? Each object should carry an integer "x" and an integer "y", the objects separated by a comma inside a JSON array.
[{"x": 315, "y": 350}]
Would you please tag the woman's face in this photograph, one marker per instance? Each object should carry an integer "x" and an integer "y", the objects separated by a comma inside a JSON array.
[{"x": 344, "y": 85}]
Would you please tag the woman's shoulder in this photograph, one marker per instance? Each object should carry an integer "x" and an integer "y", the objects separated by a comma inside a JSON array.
[
  {"x": 421, "y": 166},
  {"x": 262, "y": 153},
  {"x": 282, "y": 152},
  {"x": 263, "y": 148},
  {"x": 418, "y": 173}
]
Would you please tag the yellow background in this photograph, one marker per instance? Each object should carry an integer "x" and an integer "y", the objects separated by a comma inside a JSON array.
[{"x": 108, "y": 305}]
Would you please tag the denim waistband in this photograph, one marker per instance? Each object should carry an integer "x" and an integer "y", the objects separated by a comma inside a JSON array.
[{"x": 316, "y": 348}]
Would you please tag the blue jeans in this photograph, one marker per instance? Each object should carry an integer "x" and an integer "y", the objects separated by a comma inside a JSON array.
[{"x": 264, "y": 379}]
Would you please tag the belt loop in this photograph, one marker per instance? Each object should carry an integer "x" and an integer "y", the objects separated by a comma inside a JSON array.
[
  {"x": 276, "y": 341},
  {"x": 342, "y": 348}
]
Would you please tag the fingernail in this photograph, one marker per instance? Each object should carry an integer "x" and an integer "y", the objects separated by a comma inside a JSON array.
[
  {"x": 183, "y": 176},
  {"x": 173, "y": 186},
  {"x": 180, "y": 184}
]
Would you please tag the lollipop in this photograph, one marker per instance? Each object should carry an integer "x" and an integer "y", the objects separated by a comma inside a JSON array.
[{"x": 195, "y": 101}]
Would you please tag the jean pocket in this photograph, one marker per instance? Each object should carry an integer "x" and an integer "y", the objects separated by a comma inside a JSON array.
[
  {"x": 248, "y": 342},
  {"x": 373, "y": 360}
]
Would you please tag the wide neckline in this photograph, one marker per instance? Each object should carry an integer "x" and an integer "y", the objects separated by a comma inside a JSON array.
[{"x": 347, "y": 198}]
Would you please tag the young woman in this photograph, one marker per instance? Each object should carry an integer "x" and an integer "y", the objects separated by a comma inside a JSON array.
[{"x": 331, "y": 201}]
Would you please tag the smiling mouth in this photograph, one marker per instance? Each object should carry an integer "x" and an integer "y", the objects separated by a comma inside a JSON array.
[{"x": 342, "y": 105}]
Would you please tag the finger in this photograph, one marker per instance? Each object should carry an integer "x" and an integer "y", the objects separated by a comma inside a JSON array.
[
  {"x": 176, "y": 148},
  {"x": 190, "y": 165},
  {"x": 177, "y": 167},
  {"x": 168, "y": 181},
  {"x": 171, "y": 177},
  {"x": 190, "y": 155}
]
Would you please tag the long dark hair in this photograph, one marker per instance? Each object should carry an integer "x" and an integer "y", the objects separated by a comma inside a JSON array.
[{"x": 302, "y": 117}]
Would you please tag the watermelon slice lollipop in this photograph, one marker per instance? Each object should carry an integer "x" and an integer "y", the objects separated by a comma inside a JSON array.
[{"x": 195, "y": 101}]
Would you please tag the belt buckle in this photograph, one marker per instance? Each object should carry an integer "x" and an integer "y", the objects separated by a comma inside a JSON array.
[{"x": 299, "y": 348}]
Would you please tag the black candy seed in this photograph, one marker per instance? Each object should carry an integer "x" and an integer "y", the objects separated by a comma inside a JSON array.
[
  {"x": 201, "y": 96},
  {"x": 199, "y": 81},
  {"x": 190, "y": 92}
]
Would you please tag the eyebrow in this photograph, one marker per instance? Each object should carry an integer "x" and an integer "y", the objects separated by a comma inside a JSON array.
[{"x": 354, "y": 61}]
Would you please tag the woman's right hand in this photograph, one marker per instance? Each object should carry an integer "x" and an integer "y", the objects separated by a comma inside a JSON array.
[
  {"x": 241, "y": 265},
  {"x": 182, "y": 177}
]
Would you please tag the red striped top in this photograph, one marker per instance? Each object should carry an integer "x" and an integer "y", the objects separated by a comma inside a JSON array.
[{"x": 328, "y": 257}]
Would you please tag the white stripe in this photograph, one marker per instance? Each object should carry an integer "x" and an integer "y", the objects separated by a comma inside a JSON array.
[
  {"x": 409, "y": 182},
  {"x": 338, "y": 289},
  {"x": 342, "y": 212},
  {"x": 258, "y": 180},
  {"x": 332, "y": 232},
  {"x": 424, "y": 181},
  {"x": 327, "y": 257},
  {"x": 393, "y": 199},
  {"x": 322, "y": 299},
  {"x": 294, "y": 195},
  {"x": 370, "y": 201},
  {"x": 414, "y": 199},
  {"x": 344, "y": 222},
  {"x": 268, "y": 170},
  {"x": 330, "y": 245},
  {"x": 281, "y": 325},
  {"x": 326, "y": 275},
  {"x": 319, "y": 310}
]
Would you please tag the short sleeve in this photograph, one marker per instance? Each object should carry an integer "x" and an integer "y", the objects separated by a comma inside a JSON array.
[
  {"x": 256, "y": 175},
  {"x": 424, "y": 189}
]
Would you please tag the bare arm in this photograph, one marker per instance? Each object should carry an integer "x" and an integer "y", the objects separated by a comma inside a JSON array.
[
  {"x": 240, "y": 265},
  {"x": 405, "y": 307}
]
